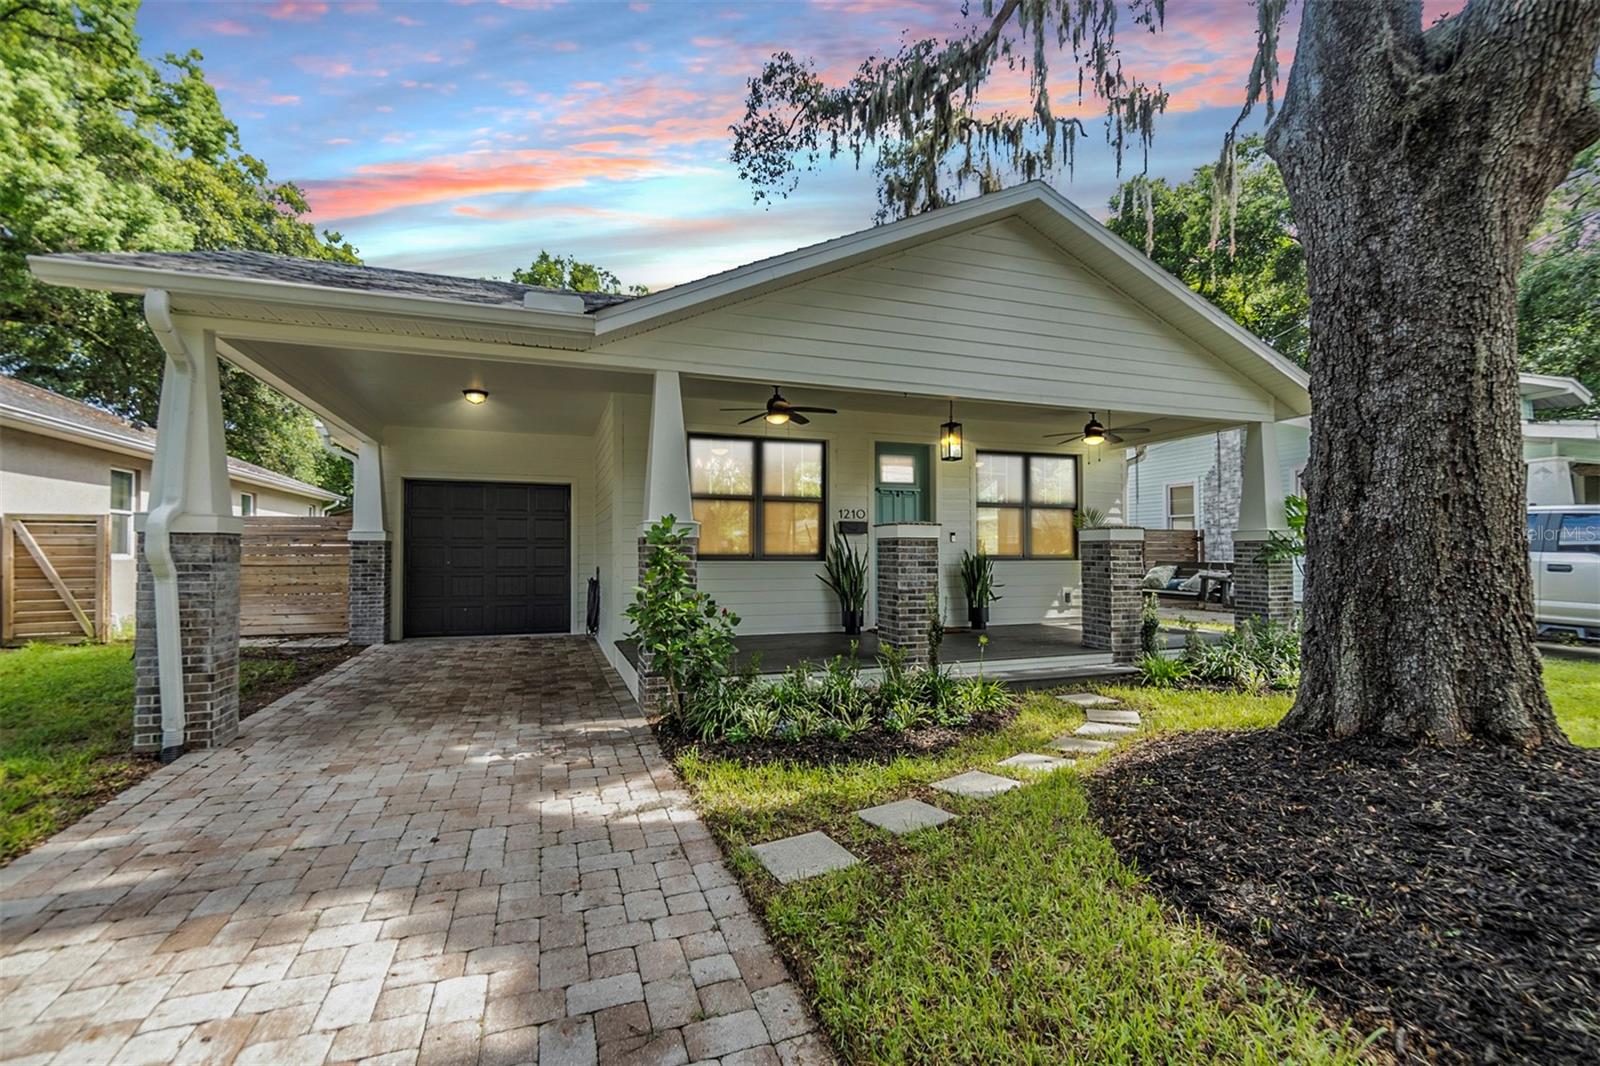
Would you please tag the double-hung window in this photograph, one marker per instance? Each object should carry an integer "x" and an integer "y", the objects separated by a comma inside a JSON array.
[
  {"x": 1026, "y": 505},
  {"x": 758, "y": 498},
  {"x": 124, "y": 498},
  {"x": 1180, "y": 506}
]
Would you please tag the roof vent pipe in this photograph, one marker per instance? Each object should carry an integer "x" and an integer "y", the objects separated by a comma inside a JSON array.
[{"x": 171, "y": 459}]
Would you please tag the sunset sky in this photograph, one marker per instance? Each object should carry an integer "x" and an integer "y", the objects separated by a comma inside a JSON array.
[{"x": 464, "y": 135}]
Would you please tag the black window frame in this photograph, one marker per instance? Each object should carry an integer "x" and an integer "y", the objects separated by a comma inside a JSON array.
[
  {"x": 758, "y": 497},
  {"x": 1027, "y": 506}
]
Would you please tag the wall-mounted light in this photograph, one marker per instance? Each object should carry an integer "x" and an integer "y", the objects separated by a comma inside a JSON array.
[
  {"x": 474, "y": 396},
  {"x": 950, "y": 438}
]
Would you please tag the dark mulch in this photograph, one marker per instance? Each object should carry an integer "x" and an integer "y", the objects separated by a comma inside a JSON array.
[
  {"x": 268, "y": 674},
  {"x": 874, "y": 745},
  {"x": 1450, "y": 897}
]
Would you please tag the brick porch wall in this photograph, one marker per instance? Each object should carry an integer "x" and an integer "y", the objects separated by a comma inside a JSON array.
[
  {"x": 369, "y": 592},
  {"x": 908, "y": 583},
  {"x": 1261, "y": 591},
  {"x": 208, "y": 613},
  {"x": 1113, "y": 566}
]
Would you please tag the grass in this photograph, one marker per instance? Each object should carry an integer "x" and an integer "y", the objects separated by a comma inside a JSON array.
[
  {"x": 1015, "y": 933},
  {"x": 66, "y": 718}
]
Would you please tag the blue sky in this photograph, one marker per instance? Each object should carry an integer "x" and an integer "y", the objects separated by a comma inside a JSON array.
[{"x": 462, "y": 136}]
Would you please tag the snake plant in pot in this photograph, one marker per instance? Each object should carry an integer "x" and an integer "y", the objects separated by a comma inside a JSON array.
[
  {"x": 845, "y": 572},
  {"x": 977, "y": 581}
]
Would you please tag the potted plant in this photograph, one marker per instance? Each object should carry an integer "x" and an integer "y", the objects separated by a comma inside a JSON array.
[
  {"x": 977, "y": 581},
  {"x": 845, "y": 572}
]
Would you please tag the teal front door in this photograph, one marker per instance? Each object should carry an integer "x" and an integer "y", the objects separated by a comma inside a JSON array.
[{"x": 901, "y": 480}]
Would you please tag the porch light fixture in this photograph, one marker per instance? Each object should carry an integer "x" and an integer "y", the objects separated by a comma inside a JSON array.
[
  {"x": 1093, "y": 431},
  {"x": 474, "y": 396},
  {"x": 950, "y": 438}
]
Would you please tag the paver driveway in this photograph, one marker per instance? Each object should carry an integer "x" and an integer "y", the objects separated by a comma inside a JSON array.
[{"x": 440, "y": 852}]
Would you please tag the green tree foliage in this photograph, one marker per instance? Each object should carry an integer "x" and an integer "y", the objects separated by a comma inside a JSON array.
[
  {"x": 568, "y": 272},
  {"x": 1250, "y": 264},
  {"x": 1558, "y": 291},
  {"x": 101, "y": 150}
]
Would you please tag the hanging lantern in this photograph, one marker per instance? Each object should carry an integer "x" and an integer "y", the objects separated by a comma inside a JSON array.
[{"x": 950, "y": 438}]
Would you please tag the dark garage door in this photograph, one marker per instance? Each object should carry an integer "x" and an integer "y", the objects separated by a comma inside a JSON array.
[{"x": 486, "y": 557}]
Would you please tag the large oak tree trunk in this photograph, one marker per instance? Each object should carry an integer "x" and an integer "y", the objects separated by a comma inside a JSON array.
[{"x": 1417, "y": 162}]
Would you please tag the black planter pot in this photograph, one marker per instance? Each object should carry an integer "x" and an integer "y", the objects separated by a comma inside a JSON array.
[
  {"x": 978, "y": 617},
  {"x": 851, "y": 620}
]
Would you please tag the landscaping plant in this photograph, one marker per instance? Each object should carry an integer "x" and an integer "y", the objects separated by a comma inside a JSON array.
[
  {"x": 977, "y": 581},
  {"x": 845, "y": 572},
  {"x": 683, "y": 635},
  {"x": 1254, "y": 657},
  {"x": 1150, "y": 625}
]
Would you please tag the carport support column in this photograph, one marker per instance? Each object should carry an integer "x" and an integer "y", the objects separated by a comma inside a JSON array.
[
  {"x": 192, "y": 513},
  {"x": 666, "y": 493},
  {"x": 1262, "y": 591},
  {"x": 1113, "y": 567},
  {"x": 369, "y": 551},
  {"x": 908, "y": 586}
]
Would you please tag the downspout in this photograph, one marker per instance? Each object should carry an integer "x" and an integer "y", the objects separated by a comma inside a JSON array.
[{"x": 158, "y": 525}]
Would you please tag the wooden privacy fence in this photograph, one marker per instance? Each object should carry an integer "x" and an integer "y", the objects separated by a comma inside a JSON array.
[
  {"x": 294, "y": 576},
  {"x": 55, "y": 578}
]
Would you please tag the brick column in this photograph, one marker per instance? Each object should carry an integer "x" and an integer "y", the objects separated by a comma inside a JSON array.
[
  {"x": 908, "y": 585},
  {"x": 653, "y": 686},
  {"x": 1113, "y": 566},
  {"x": 369, "y": 592},
  {"x": 208, "y": 617},
  {"x": 1262, "y": 591}
]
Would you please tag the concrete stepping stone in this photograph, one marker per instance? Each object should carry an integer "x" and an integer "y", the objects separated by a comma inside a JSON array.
[
  {"x": 1037, "y": 763},
  {"x": 904, "y": 816},
  {"x": 798, "y": 857},
  {"x": 976, "y": 784},
  {"x": 1081, "y": 745},
  {"x": 1112, "y": 715},
  {"x": 1087, "y": 699},
  {"x": 1103, "y": 729}
]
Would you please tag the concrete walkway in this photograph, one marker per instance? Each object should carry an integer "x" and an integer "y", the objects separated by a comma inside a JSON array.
[{"x": 454, "y": 852}]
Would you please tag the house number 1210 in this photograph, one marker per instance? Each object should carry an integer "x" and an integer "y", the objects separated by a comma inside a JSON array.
[{"x": 852, "y": 512}]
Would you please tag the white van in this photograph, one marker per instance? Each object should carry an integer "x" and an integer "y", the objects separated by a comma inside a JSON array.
[{"x": 1565, "y": 542}]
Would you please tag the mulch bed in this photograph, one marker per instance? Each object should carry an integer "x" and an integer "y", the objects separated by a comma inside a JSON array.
[
  {"x": 1449, "y": 897},
  {"x": 308, "y": 664},
  {"x": 874, "y": 745}
]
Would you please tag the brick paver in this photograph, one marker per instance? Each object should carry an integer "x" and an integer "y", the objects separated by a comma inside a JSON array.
[{"x": 454, "y": 852}]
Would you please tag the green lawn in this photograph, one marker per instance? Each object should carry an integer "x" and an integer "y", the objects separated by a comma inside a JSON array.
[
  {"x": 66, "y": 718},
  {"x": 1015, "y": 933}
]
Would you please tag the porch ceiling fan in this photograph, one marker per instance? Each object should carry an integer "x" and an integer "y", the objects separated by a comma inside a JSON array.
[
  {"x": 1093, "y": 433},
  {"x": 779, "y": 411}
]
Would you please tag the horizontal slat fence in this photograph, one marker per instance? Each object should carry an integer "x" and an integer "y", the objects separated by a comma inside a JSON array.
[
  {"x": 294, "y": 576},
  {"x": 55, "y": 580},
  {"x": 1171, "y": 546}
]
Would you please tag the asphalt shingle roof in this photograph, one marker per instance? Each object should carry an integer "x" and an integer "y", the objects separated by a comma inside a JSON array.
[
  {"x": 264, "y": 266},
  {"x": 32, "y": 399}
]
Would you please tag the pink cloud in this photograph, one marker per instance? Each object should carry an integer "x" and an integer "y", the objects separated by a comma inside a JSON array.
[
  {"x": 297, "y": 10},
  {"x": 407, "y": 20},
  {"x": 229, "y": 28},
  {"x": 378, "y": 187}
]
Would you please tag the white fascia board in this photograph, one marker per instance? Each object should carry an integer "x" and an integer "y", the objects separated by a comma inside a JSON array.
[
  {"x": 107, "y": 440},
  {"x": 1552, "y": 390},
  {"x": 1579, "y": 429},
  {"x": 114, "y": 277}
]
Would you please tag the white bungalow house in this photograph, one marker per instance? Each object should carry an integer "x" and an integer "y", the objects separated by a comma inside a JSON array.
[
  {"x": 1016, "y": 315},
  {"x": 62, "y": 457},
  {"x": 1195, "y": 483}
]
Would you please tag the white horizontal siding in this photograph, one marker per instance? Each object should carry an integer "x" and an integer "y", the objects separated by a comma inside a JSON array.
[{"x": 998, "y": 312}]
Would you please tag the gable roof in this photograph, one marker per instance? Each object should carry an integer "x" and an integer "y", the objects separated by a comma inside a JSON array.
[
  {"x": 29, "y": 407},
  {"x": 591, "y": 322}
]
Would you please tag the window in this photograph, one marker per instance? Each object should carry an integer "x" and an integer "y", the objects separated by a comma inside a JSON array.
[
  {"x": 1180, "y": 506},
  {"x": 1578, "y": 533},
  {"x": 247, "y": 504},
  {"x": 757, "y": 498},
  {"x": 1026, "y": 504},
  {"x": 124, "y": 498}
]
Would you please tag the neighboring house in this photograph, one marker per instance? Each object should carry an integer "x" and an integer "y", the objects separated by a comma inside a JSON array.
[
  {"x": 62, "y": 457},
  {"x": 1017, "y": 311},
  {"x": 1194, "y": 483}
]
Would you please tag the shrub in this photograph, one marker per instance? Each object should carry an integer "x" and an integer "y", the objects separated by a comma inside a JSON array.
[
  {"x": 1254, "y": 656},
  {"x": 1157, "y": 671},
  {"x": 1150, "y": 625}
]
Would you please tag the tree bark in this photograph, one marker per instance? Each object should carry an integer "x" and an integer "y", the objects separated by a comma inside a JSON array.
[{"x": 1417, "y": 161}]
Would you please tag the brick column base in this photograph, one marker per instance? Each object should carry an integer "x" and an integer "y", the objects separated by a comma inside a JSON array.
[
  {"x": 1113, "y": 567},
  {"x": 208, "y": 620},
  {"x": 1263, "y": 592},
  {"x": 908, "y": 586},
  {"x": 653, "y": 686},
  {"x": 369, "y": 592}
]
